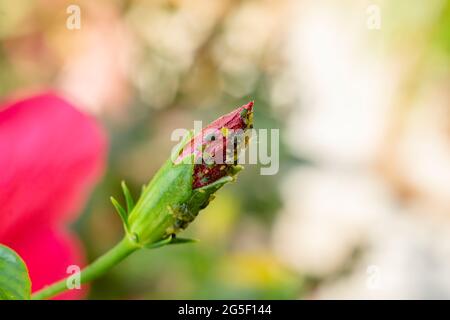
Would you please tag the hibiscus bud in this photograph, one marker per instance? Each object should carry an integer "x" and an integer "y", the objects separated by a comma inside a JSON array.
[
  {"x": 187, "y": 182},
  {"x": 217, "y": 147}
]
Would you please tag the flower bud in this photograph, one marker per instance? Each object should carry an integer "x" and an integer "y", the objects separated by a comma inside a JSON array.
[{"x": 183, "y": 187}]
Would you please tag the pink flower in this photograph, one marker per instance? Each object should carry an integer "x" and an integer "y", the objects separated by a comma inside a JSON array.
[{"x": 50, "y": 157}]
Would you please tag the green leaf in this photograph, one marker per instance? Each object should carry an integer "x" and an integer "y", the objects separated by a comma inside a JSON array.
[
  {"x": 121, "y": 211},
  {"x": 15, "y": 282},
  {"x": 128, "y": 197}
]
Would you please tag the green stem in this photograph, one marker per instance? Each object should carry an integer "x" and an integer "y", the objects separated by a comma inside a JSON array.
[{"x": 123, "y": 249}]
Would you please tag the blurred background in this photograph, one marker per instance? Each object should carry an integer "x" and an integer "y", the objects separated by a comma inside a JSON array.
[{"x": 360, "y": 207}]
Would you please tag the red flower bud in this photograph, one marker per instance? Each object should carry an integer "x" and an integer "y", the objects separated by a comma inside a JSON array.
[{"x": 216, "y": 148}]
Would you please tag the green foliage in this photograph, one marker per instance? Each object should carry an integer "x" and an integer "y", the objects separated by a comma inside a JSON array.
[{"x": 14, "y": 279}]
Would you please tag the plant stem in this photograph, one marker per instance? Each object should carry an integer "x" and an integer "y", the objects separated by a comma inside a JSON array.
[{"x": 123, "y": 249}]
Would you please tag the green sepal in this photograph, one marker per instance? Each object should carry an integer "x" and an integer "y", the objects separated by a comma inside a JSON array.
[
  {"x": 151, "y": 217},
  {"x": 128, "y": 198},
  {"x": 159, "y": 244},
  {"x": 168, "y": 203},
  {"x": 129, "y": 203},
  {"x": 169, "y": 241},
  {"x": 216, "y": 185},
  {"x": 179, "y": 147},
  {"x": 183, "y": 240},
  {"x": 121, "y": 211}
]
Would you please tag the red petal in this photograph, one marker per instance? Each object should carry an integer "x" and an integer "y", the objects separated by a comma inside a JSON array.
[
  {"x": 47, "y": 254},
  {"x": 50, "y": 154},
  {"x": 233, "y": 120}
]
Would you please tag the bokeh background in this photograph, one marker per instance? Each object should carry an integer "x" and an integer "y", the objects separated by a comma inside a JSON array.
[{"x": 360, "y": 207}]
